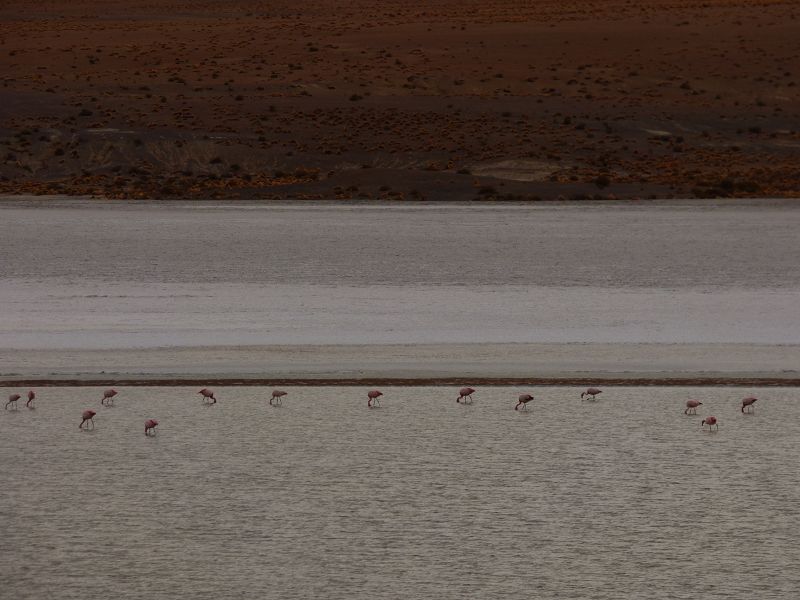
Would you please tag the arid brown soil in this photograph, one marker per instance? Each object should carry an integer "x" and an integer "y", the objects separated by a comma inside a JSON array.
[{"x": 400, "y": 99}]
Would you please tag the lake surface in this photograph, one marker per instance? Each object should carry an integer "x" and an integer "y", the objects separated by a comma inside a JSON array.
[
  {"x": 104, "y": 276},
  {"x": 423, "y": 498}
]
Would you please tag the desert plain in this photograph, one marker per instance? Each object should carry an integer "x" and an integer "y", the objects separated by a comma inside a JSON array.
[{"x": 400, "y": 100}]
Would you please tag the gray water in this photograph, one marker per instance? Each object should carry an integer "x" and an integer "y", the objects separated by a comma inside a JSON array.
[
  {"x": 423, "y": 498},
  {"x": 93, "y": 275}
]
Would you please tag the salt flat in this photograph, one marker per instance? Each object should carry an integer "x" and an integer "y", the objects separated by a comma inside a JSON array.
[{"x": 321, "y": 290}]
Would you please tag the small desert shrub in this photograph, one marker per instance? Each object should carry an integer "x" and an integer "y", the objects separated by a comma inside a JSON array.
[{"x": 602, "y": 181}]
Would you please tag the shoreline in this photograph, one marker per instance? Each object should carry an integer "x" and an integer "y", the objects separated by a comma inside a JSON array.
[
  {"x": 65, "y": 200},
  {"x": 411, "y": 365},
  {"x": 672, "y": 381}
]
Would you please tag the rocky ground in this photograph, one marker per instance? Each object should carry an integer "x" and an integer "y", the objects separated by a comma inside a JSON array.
[{"x": 401, "y": 100}]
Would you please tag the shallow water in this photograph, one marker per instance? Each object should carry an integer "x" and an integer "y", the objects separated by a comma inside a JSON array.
[
  {"x": 621, "y": 498},
  {"x": 89, "y": 275}
]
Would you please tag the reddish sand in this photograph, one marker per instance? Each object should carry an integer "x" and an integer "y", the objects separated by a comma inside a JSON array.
[{"x": 400, "y": 99}]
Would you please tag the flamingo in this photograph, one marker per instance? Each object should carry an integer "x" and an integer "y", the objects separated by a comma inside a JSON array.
[
  {"x": 691, "y": 407},
  {"x": 465, "y": 394},
  {"x": 373, "y": 398},
  {"x": 31, "y": 396},
  {"x": 150, "y": 426},
  {"x": 523, "y": 400},
  {"x": 88, "y": 417},
  {"x": 276, "y": 397},
  {"x": 592, "y": 391},
  {"x": 108, "y": 397},
  {"x": 748, "y": 404},
  {"x": 12, "y": 400},
  {"x": 710, "y": 421},
  {"x": 206, "y": 394}
]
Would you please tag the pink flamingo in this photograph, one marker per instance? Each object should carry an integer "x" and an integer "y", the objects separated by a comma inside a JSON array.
[
  {"x": 523, "y": 401},
  {"x": 31, "y": 397},
  {"x": 465, "y": 395},
  {"x": 88, "y": 417},
  {"x": 691, "y": 407},
  {"x": 748, "y": 404},
  {"x": 710, "y": 421},
  {"x": 150, "y": 426},
  {"x": 373, "y": 398},
  {"x": 276, "y": 397},
  {"x": 12, "y": 400},
  {"x": 108, "y": 397},
  {"x": 592, "y": 391},
  {"x": 207, "y": 394}
]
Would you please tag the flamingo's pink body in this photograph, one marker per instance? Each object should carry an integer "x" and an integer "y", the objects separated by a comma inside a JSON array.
[
  {"x": 748, "y": 403},
  {"x": 108, "y": 397},
  {"x": 592, "y": 391},
  {"x": 691, "y": 407},
  {"x": 150, "y": 426},
  {"x": 207, "y": 394},
  {"x": 12, "y": 399},
  {"x": 710, "y": 421},
  {"x": 276, "y": 397},
  {"x": 372, "y": 398},
  {"x": 523, "y": 401},
  {"x": 31, "y": 397},
  {"x": 87, "y": 415},
  {"x": 465, "y": 394}
]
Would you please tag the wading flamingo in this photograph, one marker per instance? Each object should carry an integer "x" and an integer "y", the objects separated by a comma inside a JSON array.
[
  {"x": 31, "y": 397},
  {"x": 710, "y": 421},
  {"x": 748, "y": 403},
  {"x": 150, "y": 426},
  {"x": 276, "y": 397},
  {"x": 691, "y": 407},
  {"x": 373, "y": 398},
  {"x": 591, "y": 392},
  {"x": 465, "y": 395},
  {"x": 108, "y": 397},
  {"x": 207, "y": 395},
  {"x": 12, "y": 400},
  {"x": 88, "y": 417},
  {"x": 523, "y": 401}
]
